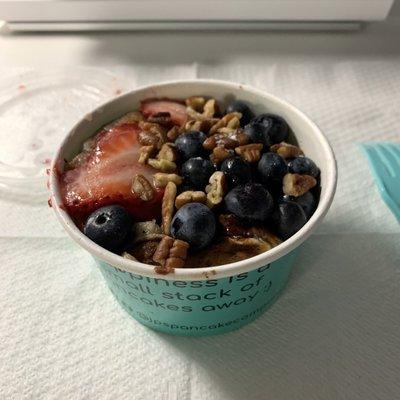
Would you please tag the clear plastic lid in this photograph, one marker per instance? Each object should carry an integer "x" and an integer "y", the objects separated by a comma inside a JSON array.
[{"x": 37, "y": 109}]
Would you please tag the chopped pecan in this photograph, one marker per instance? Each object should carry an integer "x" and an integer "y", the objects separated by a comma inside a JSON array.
[
  {"x": 297, "y": 185},
  {"x": 196, "y": 103},
  {"x": 210, "y": 108},
  {"x": 145, "y": 231},
  {"x": 210, "y": 143},
  {"x": 167, "y": 152},
  {"x": 260, "y": 232},
  {"x": 161, "y": 118},
  {"x": 148, "y": 139},
  {"x": 219, "y": 154},
  {"x": 200, "y": 125},
  {"x": 143, "y": 251},
  {"x": 241, "y": 137},
  {"x": 161, "y": 179},
  {"x": 233, "y": 228},
  {"x": 220, "y": 140},
  {"x": 230, "y": 121},
  {"x": 173, "y": 133},
  {"x": 286, "y": 150},
  {"x": 162, "y": 165},
  {"x": 190, "y": 196},
  {"x": 193, "y": 114},
  {"x": 167, "y": 206},
  {"x": 250, "y": 152},
  {"x": 152, "y": 134},
  {"x": 247, "y": 243},
  {"x": 142, "y": 187},
  {"x": 170, "y": 253},
  {"x": 216, "y": 189},
  {"x": 145, "y": 153}
]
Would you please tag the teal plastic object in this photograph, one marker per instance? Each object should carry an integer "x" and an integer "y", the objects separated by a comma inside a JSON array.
[
  {"x": 384, "y": 159},
  {"x": 199, "y": 307}
]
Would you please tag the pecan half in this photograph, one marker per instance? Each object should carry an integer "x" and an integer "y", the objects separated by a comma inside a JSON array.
[
  {"x": 170, "y": 253},
  {"x": 250, "y": 152},
  {"x": 167, "y": 152},
  {"x": 145, "y": 153},
  {"x": 167, "y": 207},
  {"x": 142, "y": 187},
  {"x": 162, "y": 165},
  {"x": 216, "y": 189},
  {"x": 286, "y": 150},
  {"x": 297, "y": 185},
  {"x": 219, "y": 154},
  {"x": 161, "y": 179},
  {"x": 190, "y": 196}
]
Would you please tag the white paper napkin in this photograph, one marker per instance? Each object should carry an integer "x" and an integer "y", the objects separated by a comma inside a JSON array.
[{"x": 332, "y": 335}]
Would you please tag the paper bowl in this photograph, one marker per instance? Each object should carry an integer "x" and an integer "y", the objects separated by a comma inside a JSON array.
[{"x": 202, "y": 301}]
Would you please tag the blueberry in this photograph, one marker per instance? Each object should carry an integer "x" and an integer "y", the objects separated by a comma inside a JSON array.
[
  {"x": 271, "y": 167},
  {"x": 243, "y": 108},
  {"x": 190, "y": 144},
  {"x": 278, "y": 128},
  {"x": 307, "y": 203},
  {"x": 303, "y": 165},
  {"x": 249, "y": 202},
  {"x": 109, "y": 227},
  {"x": 290, "y": 218},
  {"x": 258, "y": 133},
  {"x": 275, "y": 188},
  {"x": 194, "y": 223},
  {"x": 236, "y": 170},
  {"x": 196, "y": 172}
]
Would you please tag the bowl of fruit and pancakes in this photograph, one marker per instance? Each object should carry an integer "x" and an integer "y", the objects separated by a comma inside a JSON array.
[{"x": 192, "y": 179}]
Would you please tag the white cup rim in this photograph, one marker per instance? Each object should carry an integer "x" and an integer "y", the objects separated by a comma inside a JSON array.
[{"x": 213, "y": 272}]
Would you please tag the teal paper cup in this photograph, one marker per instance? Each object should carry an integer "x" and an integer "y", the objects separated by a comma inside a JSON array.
[{"x": 199, "y": 301}]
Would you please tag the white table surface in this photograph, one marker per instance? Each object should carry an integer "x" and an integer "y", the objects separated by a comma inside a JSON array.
[{"x": 334, "y": 334}]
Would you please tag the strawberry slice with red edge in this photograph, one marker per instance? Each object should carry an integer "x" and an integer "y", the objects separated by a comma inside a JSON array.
[
  {"x": 177, "y": 110},
  {"x": 105, "y": 176}
]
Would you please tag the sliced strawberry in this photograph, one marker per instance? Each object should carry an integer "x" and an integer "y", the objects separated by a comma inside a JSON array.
[
  {"x": 105, "y": 176},
  {"x": 177, "y": 111}
]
